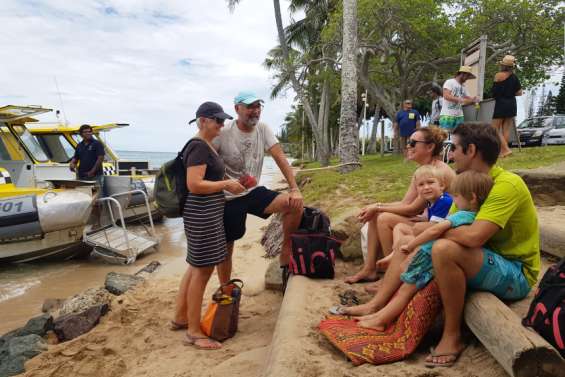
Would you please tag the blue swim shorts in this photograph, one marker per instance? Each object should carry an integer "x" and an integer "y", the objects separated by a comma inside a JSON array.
[
  {"x": 502, "y": 277},
  {"x": 449, "y": 122}
]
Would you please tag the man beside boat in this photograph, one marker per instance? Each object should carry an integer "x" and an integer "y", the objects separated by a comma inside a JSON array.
[{"x": 89, "y": 155}]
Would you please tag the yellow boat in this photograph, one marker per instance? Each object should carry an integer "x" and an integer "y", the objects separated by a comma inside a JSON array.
[
  {"x": 43, "y": 210},
  {"x": 59, "y": 141}
]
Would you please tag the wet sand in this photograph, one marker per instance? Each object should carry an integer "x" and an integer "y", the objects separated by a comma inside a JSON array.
[{"x": 24, "y": 287}]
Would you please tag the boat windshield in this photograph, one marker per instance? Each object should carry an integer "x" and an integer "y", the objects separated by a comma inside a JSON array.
[
  {"x": 31, "y": 143},
  {"x": 536, "y": 123},
  {"x": 56, "y": 147},
  {"x": 4, "y": 155},
  {"x": 107, "y": 154}
]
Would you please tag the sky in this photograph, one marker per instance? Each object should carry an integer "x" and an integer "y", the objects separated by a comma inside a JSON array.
[{"x": 149, "y": 63}]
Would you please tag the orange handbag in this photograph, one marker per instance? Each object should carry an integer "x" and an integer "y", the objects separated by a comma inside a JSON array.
[{"x": 222, "y": 314}]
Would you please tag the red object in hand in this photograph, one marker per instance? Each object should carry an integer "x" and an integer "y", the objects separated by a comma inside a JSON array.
[{"x": 248, "y": 181}]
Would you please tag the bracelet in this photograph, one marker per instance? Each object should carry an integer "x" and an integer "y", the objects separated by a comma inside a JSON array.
[{"x": 295, "y": 189}]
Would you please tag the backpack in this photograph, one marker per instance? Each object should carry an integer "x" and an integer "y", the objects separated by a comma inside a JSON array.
[
  {"x": 170, "y": 186},
  {"x": 313, "y": 249},
  {"x": 547, "y": 310}
]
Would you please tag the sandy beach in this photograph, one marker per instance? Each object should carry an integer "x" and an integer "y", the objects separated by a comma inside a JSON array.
[{"x": 133, "y": 339}]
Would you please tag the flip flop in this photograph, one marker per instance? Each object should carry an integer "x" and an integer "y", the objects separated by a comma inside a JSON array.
[
  {"x": 454, "y": 355},
  {"x": 348, "y": 298},
  {"x": 175, "y": 326},
  {"x": 337, "y": 310},
  {"x": 190, "y": 340}
]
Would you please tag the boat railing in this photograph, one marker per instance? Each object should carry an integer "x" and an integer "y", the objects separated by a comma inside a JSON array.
[{"x": 147, "y": 206}]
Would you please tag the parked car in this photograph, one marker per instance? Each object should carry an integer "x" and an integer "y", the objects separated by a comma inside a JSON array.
[
  {"x": 556, "y": 135},
  {"x": 532, "y": 131}
]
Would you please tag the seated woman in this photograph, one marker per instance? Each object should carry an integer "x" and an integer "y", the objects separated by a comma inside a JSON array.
[
  {"x": 470, "y": 190},
  {"x": 424, "y": 147}
]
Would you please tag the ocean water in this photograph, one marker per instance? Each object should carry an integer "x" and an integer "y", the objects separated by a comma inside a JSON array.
[{"x": 156, "y": 159}]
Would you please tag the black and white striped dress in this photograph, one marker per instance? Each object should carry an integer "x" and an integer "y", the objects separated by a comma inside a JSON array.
[{"x": 203, "y": 215}]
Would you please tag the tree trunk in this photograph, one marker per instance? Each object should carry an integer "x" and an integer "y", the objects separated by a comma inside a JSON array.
[
  {"x": 324, "y": 152},
  {"x": 321, "y": 146},
  {"x": 372, "y": 148},
  {"x": 349, "y": 135}
]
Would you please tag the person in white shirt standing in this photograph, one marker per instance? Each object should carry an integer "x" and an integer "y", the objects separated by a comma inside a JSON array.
[
  {"x": 242, "y": 144},
  {"x": 437, "y": 103},
  {"x": 454, "y": 97}
]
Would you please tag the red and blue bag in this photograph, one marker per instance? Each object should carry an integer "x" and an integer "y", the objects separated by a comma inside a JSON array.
[{"x": 547, "y": 310}]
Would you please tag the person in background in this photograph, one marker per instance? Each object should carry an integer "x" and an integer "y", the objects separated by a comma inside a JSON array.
[
  {"x": 203, "y": 218},
  {"x": 437, "y": 104},
  {"x": 89, "y": 156},
  {"x": 454, "y": 97},
  {"x": 505, "y": 88},
  {"x": 406, "y": 122}
]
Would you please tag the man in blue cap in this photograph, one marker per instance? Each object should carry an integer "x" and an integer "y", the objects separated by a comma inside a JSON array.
[{"x": 242, "y": 144}]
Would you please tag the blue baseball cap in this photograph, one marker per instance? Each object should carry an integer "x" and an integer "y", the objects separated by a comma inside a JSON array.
[{"x": 246, "y": 97}]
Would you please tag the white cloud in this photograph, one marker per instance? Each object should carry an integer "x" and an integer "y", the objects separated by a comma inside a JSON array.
[{"x": 149, "y": 63}]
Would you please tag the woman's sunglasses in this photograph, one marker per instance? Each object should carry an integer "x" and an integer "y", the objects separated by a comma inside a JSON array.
[{"x": 412, "y": 143}]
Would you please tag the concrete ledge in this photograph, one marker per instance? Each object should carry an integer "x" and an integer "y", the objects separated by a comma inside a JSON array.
[
  {"x": 552, "y": 220},
  {"x": 291, "y": 326}
]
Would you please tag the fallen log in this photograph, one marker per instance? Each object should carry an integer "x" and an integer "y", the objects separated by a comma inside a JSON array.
[{"x": 519, "y": 350}]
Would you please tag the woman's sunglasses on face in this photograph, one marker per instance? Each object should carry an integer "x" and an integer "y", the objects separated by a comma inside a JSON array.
[{"x": 412, "y": 143}]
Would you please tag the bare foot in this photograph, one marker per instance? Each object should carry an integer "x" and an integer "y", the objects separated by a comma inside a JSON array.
[
  {"x": 362, "y": 277},
  {"x": 374, "y": 287},
  {"x": 358, "y": 310},
  {"x": 372, "y": 322}
]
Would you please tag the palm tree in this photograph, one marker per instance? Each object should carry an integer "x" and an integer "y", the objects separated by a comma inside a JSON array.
[
  {"x": 349, "y": 137},
  {"x": 288, "y": 72}
]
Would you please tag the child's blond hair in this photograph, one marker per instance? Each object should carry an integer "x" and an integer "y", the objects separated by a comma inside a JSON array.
[
  {"x": 426, "y": 171},
  {"x": 472, "y": 182}
]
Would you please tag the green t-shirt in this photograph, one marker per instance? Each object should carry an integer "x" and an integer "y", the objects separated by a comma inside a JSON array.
[{"x": 510, "y": 206}]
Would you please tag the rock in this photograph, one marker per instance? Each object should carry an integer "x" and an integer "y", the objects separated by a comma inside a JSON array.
[
  {"x": 347, "y": 228},
  {"x": 273, "y": 276},
  {"x": 28, "y": 346},
  {"x": 117, "y": 283},
  {"x": 11, "y": 366},
  {"x": 70, "y": 326},
  {"x": 150, "y": 268},
  {"x": 273, "y": 237},
  {"x": 87, "y": 299},
  {"x": 37, "y": 326},
  {"x": 52, "y": 304}
]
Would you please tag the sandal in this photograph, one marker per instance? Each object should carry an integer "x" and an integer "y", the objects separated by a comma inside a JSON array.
[
  {"x": 190, "y": 340},
  {"x": 175, "y": 326},
  {"x": 454, "y": 356},
  {"x": 348, "y": 298},
  {"x": 337, "y": 310}
]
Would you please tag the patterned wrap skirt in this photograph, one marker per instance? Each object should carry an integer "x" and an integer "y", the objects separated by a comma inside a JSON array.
[{"x": 203, "y": 218}]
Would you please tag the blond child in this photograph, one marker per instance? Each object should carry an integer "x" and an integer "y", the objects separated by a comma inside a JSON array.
[{"x": 431, "y": 186}]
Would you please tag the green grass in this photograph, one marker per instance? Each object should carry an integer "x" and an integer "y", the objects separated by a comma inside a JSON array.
[{"x": 385, "y": 179}]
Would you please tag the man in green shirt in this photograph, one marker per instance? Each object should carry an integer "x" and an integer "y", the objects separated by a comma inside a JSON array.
[{"x": 498, "y": 253}]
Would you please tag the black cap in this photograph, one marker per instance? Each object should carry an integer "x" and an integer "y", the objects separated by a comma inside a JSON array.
[{"x": 210, "y": 110}]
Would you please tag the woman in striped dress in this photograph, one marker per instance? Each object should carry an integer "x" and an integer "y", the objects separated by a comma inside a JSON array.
[{"x": 203, "y": 218}]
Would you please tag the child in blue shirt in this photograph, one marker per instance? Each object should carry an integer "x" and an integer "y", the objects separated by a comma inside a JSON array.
[
  {"x": 469, "y": 190},
  {"x": 431, "y": 186}
]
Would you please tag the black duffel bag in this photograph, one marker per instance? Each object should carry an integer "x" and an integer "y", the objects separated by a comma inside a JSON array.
[{"x": 547, "y": 310}]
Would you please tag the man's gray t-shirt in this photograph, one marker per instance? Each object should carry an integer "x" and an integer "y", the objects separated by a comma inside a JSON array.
[{"x": 243, "y": 152}]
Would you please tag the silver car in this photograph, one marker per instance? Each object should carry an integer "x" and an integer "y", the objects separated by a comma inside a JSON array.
[
  {"x": 532, "y": 131},
  {"x": 555, "y": 136}
]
